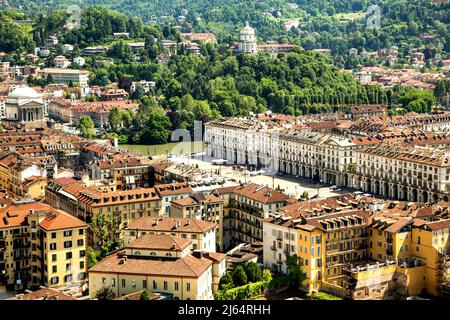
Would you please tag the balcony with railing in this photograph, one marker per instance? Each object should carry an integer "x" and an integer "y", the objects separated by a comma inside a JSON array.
[
  {"x": 246, "y": 208},
  {"x": 21, "y": 235},
  {"x": 22, "y": 256},
  {"x": 20, "y": 245}
]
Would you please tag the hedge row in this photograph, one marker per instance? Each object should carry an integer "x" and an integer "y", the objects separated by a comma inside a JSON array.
[{"x": 243, "y": 292}]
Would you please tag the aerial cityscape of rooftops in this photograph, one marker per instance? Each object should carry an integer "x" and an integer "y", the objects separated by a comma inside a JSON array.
[{"x": 254, "y": 150}]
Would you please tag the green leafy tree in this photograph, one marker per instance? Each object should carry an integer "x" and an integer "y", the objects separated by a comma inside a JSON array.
[
  {"x": 156, "y": 130},
  {"x": 92, "y": 257},
  {"x": 267, "y": 275},
  {"x": 239, "y": 276},
  {"x": 138, "y": 92},
  {"x": 105, "y": 227},
  {"x": 144, "y": 295},
  {"x": 86, "y": 127},
  {"x": 226, "y": 282},
  {"x": 115, "y": 119},
  {"x": 105, "y": 293},
  {"x": 297, "y": 276},
  {"x": 253, "y": 271}
]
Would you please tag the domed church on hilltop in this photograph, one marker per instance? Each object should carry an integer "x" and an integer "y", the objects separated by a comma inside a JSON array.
[
  {"x": 26, "y": 106},
  {"x": 247, "y": 40}
]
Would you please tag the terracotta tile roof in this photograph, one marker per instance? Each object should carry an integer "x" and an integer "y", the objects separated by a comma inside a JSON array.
[
  {"x": 44, "y": 294},
  {"x": 9, "y": 159},
  {"x": 226, "y": 190},
  {"x": 74, "y": 188},
  {"x": 317, "y": 222},
  {"x": 437, "y": 225},
  {"x": 32, "y": 179},
  {"x": 189, "y": 201},
  {"x": 211, "y": 198},
  {"x": 61, "y": 220},
  {"x": 326, "y": 205},
  {"x": 159, "y": 242},
  {"x": 64, "y": 181},
  {"x": 94, "y": 197},
  {"x": 169, "y": 223},
  {"x": 119, "y": 163},
  {"x": 173, "y": 189},
  {"x": 187, "y": 266},
  {"x": 409, "y": 153},
  {"x": 260, "y": 193},
  {"x": 215, "y": 256},
  {"x": 16, "y": 215}
]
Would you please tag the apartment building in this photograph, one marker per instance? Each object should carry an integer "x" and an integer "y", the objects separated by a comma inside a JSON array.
[
  {"x": 125, "y": 174},
  {"x": 61, "y": 62},
  {"x": 26, "y": 176},
  {"x": 226, "y": 228},
  {"x": 248, "y": 206},
  {"x": 404, "y": 172},
  {"x": 243, "y": 141},
  {"x": 126, "y": 205},
  {"x": 64, "y": 148},
  {"x": 162, "y": 264},
  {"x": 201, "y": 233},
  {"x": 357, "y": 112},
  {"x": 40, "y": 245},
  {"x": 318, "y": 156},
  {"x": 201, "y": 207},
  {"x": 170, "y": 192},
  {"x": 202, "y": 38},
  {"x": 62, "y": 194},
  {"x": 59, "y": 75},
  {"x": 274, "y": 48},
  {"x": 363, "y": 249}
]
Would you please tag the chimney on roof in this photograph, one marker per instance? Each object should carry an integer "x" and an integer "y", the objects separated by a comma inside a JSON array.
[{"x": 197, "y": 253}]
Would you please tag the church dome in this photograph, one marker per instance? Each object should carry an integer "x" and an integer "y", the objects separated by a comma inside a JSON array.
[
  {"x": 24, "y": 92},
  {"x": 247, "y": 29}
]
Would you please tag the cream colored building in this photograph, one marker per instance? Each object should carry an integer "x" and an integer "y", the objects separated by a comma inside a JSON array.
[
  {"x": 404, "y": 172},
  {"x": 247, "y": 40},
  {"x": 201, "y": 233},
  {"x": 318, "y": 156},
  {"x": 243, "y": 141},
  {"x": 159, "y": 263},
  {"x": 126, "y": 205},
  {"x": 67, "y": 76}
]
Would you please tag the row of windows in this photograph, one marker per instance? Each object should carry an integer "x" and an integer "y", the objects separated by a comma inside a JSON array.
[
  {"x": 82, "y": 254},
  {"x": 150, "y": 204},
  {"x": 68, "y": 233},
  {"x": 67, "y": 244},
  {"x": 68, "y": 267},
  {"x": 165, "y": 286}
]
